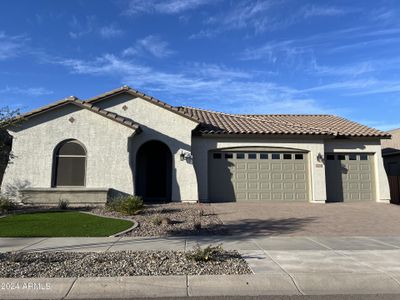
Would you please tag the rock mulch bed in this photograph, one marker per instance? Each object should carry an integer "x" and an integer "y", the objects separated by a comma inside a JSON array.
[
  {"x": 184, "y": 220},
  {"x": 114, "y": 264}
]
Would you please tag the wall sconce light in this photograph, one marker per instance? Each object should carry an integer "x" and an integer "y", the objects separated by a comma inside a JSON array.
[
  {"x": 320, "y": 157},
  {"x": 185, "y": 155}
]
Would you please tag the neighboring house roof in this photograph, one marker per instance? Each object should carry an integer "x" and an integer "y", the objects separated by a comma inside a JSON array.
[
  {"x": 211, "y": 122},
  {"x": 392, "y": 146},
  {"x": 75, "y": 101},
  {"x": 222, "y": 123}
]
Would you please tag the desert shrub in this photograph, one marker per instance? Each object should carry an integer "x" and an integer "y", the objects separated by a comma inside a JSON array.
[
  {"x": 63, "y": 204},
  {"x": 128, "y": 205},
  {"x": 156, "y": 220},
  {"x": 6, "y": 204},
  {"x": 159, "y": 220},
  {"x": 206, "y": 254}
]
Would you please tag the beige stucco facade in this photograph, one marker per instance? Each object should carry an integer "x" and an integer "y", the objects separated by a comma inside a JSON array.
[{"x": 112, "y": 149}]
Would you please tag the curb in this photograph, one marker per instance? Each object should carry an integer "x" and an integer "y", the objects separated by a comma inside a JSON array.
[
  {"x": 197, "y": 286},
  {"x": 135, "y": 223}
]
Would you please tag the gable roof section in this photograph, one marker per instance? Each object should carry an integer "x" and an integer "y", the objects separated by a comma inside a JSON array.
[
  {"x": 136, "y": 93},
  {"x": 328, "y": 125},
  {"x": 75, "y": 101}
]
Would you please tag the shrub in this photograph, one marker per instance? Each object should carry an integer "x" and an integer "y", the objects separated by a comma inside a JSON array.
[
  {"x": 156, "y": 220},
  {"x": 63, "y": 204},
  {"x": 206, "y": 254},
  {"x": 6, "y": 204},
  {"x": 128, "y": 205}
]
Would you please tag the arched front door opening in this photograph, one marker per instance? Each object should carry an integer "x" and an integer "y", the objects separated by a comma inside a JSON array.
[
  {"x": 154, "y": 171},
  {"x": 69, "y": 164}
]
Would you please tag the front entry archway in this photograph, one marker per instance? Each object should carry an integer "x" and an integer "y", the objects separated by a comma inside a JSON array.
[{"x": 154, "y": 171}]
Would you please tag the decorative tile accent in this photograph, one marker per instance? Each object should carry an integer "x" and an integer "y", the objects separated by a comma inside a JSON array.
[
  {"x": 125, "y": 108},
  {"x": 71, "y": 120}
]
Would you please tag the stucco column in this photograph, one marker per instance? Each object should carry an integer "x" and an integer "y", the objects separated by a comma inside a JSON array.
[
  {"x": 317, "y": 174},
  {"x": 382, "y": 183}
]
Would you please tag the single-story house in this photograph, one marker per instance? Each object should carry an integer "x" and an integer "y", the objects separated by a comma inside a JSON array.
[{"x": 127, "y": 142}]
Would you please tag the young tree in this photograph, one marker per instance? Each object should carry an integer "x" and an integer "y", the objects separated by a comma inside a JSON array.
[{"x": 8, "y": 117}]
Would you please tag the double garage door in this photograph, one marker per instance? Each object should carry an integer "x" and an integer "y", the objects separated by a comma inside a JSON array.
[
  {"x": 349, "y": 177},
  {"x": 283, "y": 176},
  {"x": 258, "y": 176}
]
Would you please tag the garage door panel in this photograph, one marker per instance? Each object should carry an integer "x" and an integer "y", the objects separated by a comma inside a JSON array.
[
  {"x": 258, "y": 179},
  {"x": 252, "y": 166},
  {"x": 276, "y": 167},
  {"x": 288, "y": 167},
  {"x": 252, "y": 176},
  {"x": 289, "y": 196},
  {"x": 254, "y": 196},
  {"x": 288, "y": 176},
  {"x": 300, "y": 167}
]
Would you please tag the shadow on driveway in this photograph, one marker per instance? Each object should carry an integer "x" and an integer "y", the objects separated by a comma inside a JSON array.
[{"x": 252, "y": 227}]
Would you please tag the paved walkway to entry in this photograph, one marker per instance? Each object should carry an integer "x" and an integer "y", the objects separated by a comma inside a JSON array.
[{"x": 309, "y": 219}]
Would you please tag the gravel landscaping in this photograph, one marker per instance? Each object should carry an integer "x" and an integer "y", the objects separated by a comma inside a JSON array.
[
  {"x": 111, "y": 264},
  {"x": 172, "y": 219}
]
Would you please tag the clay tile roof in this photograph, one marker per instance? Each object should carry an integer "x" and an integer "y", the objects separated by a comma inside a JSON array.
[
  {"x": 75, "y": 101},
  {"x": 136, "y": 93},
  {"x": 221, "y": 123}
]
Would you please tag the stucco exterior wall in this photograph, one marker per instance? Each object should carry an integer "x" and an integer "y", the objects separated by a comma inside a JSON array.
[
  {"x": 106, "y": 142},
  {"x": 366, "y": 146},
  {"x": 201, "y": 147},
  {"x": 160, "y": 124}
]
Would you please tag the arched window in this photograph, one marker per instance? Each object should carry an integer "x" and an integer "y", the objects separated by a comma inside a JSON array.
[{"x": 70, "y": 164}]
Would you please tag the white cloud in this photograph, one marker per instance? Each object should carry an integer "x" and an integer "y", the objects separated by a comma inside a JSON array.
[
  {"x": 344, "y": 70},
  {"x": 80, "y": 28},
  {"x": 264, "y": 15},
  {"x": 110, "y": 31},
  {"x": 32, "y": 91},
  {"x": 152, "y": 45},
  {"x": 321, "y": 11},
  {"x": 212, "y": 86},
  {"x": 136, "y": 7},
  {"x": 11, "y": 46}
]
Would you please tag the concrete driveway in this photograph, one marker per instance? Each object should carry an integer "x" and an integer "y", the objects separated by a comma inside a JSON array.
[{"x": 308, "y": 219}]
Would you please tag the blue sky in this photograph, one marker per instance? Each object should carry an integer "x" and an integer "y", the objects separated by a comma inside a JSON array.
[{"x": 283, "y": 56}]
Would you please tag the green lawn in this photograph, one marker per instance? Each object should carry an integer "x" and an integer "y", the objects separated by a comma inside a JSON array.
[{"x": 60, "y": 224}]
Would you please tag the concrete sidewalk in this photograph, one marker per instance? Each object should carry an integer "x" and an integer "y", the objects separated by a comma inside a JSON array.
[
  {"x": 281, "y": 266},
  {"x": 185, "y": 243}
]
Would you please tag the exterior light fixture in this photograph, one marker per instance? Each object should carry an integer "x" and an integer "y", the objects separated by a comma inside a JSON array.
[
  {"x": 320, "y": 157},
  {"x": 185, "y": 155}
]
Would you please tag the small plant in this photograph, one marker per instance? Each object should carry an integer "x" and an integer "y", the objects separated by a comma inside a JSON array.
[
  {"x": 156, "y": 220},
  {"x": 128, "y": 205},
  {"x": 63, "y": 204},
  {"x": 6, "y": 204},
  {"x": 206, "y": 254}
]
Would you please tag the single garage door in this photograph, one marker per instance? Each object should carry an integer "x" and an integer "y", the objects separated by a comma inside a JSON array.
[
  {"x": 256, "y": 175},
  {"x": 349, "y": 177}
]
